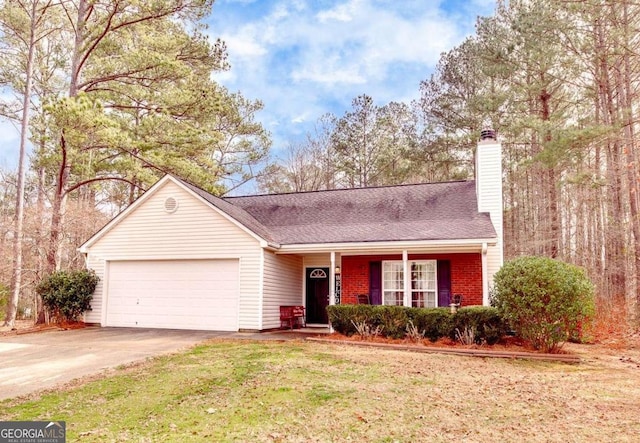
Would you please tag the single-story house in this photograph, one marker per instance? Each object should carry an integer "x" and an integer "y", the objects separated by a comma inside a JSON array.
[{"x": 179, "y": 257}]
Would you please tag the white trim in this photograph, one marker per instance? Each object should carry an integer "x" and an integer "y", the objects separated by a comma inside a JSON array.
[
  {"x": 362, "y": 248},
  {"x": 260, "y": 290},
  {"x": 332, "y": 279},
  {"x": 304, "y": 286},
  {"x": 407, "y": 278},
  {"x": 105, "y": 292},
  {"x": 393, "y": 265},
  {"x": 485, "y": 276},
  {"x": 318, "y": 273},
  {"x": 434, "y": 263},
  {"x": 147, "y": 195},
  {"x": 304, "y": 290},
  {"x": 167, "y": 257},
  {"x": 332, "y": 285}
]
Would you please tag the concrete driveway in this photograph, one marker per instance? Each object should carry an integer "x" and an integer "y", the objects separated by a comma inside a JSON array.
[{"x": 32, "y": 362}]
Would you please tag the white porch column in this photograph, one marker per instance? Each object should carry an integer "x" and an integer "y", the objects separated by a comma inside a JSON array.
[
  {"x": 485, "y": 276},
  {"x": 332, "y": 280},
  {"x": 407, "y": 278}
]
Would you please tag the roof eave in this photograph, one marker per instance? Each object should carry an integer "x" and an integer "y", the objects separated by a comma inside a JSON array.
[
  {"x": 457, "y": 245},
  {"x": 84, "y": 248}
]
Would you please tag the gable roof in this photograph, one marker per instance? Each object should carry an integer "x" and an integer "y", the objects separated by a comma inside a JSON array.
[
  {"x": 237, "y": 213},
  {"x": 418, "y": 212},
  {"x": 434, "y": 211}
]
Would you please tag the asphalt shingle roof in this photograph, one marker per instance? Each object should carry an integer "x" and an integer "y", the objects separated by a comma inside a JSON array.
[
  {"x": 235, "y": 212},
  {"x": 434, "y": 211}
]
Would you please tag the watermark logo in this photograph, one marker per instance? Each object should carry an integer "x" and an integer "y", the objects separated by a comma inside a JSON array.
[{"x": 33, "y": 432}]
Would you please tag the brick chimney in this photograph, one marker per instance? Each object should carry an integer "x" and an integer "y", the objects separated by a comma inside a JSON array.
[{"x": 489, "y": 193}]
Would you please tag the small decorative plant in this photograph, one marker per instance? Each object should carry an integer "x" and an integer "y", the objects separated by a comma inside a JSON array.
[
  {"x": 467, "y": 336},
  {"x": 413, "y": 333},
  {"x": 367, "y": 331}
]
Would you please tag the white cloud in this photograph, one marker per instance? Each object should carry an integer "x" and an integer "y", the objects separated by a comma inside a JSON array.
[
  {"x": 342, "y": 13},
  {"x": 245, "y": 45},
  {"x": 304, "y": 58}
]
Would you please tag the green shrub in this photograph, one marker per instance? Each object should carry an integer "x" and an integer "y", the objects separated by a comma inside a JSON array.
[
  {"x": 544, "y": 300},
  {"x": 433, "y": 321},
  {"x": 343, "y": 317},
  {"x": 486, "y": 322},
  {"x": 393, "y": 320},
  {"x": 68, "y": 294}
]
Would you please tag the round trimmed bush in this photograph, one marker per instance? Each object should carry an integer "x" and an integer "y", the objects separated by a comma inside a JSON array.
[
  {"x": 545, "y": 301},
  {"x": 68, "y": 294}
]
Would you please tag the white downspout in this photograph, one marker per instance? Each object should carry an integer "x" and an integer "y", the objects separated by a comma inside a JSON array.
[
  {"x": 407, "y": 278},
  {"x": 260, "y": 294},
  {"x": 332, "y": 280},
  {"x": 485, "y": 276},
  {"x": 332, "y": 284}
]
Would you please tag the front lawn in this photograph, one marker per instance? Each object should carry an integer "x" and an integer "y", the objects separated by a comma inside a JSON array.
[{"x": 311, "y": 392}]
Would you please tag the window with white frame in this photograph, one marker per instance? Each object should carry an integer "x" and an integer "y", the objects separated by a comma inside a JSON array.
[
  {"x": 423, "y": 284},
  {"x": 422, "y": 281},
  {"x": 392, "y": 283}
]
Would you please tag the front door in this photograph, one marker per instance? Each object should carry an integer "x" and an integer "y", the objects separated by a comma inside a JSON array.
[{"x": 317, "y": 297}]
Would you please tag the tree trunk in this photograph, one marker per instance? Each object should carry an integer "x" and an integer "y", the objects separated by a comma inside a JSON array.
[
  {"x": 57, "y": 211},
  {"x": 64, "y": 171},
  {"x": 12, "y": 306},
  {"x": 630, "y": 154}
]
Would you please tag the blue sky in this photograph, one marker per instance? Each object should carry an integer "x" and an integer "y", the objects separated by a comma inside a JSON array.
[{"x": 304, "y": 58}]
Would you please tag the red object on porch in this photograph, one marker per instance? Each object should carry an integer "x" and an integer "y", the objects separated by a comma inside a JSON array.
[{"x": 292, "y": 317}]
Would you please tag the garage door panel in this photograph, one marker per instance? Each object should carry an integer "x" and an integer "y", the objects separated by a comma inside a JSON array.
[{"x": 177, "y": 294}]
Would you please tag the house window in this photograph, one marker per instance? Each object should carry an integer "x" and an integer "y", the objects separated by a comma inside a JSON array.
[
  {"x": 392, "y": 283},
  {"x": 423, "y": 283},
  {"x": 318, "y": 273}
]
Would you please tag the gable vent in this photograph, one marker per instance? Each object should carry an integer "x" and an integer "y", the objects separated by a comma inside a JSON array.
[{"x": 171, "y": 205}]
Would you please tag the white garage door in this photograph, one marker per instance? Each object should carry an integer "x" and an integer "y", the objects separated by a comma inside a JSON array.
[{"x": 174, "y": 294}]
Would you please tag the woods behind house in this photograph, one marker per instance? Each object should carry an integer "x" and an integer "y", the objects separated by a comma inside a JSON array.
[{"x": 116, "y": 94}]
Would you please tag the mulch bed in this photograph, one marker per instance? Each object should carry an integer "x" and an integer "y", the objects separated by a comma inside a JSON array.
[
  {"x": 27, "y": 327},
  {"x": 510, "y": 347}
]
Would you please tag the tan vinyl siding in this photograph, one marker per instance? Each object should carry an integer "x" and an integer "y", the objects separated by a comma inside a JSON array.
[
  {"x": 95, "y": 315},
  {"x": 317, "y": 260},
  {"x": 194, "y": 230},
  {"x": 282, "y": 286}
]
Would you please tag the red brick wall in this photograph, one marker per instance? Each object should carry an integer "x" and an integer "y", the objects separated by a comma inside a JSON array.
[
  {"x": 355, "y": 275},
  {"x": 466, "y": 274}
]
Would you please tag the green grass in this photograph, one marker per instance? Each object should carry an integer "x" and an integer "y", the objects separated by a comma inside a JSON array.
[{"x": 298, "y": 391}]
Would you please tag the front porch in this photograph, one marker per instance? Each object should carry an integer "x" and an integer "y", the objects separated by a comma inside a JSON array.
[{"x": 402, "y": 278}]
